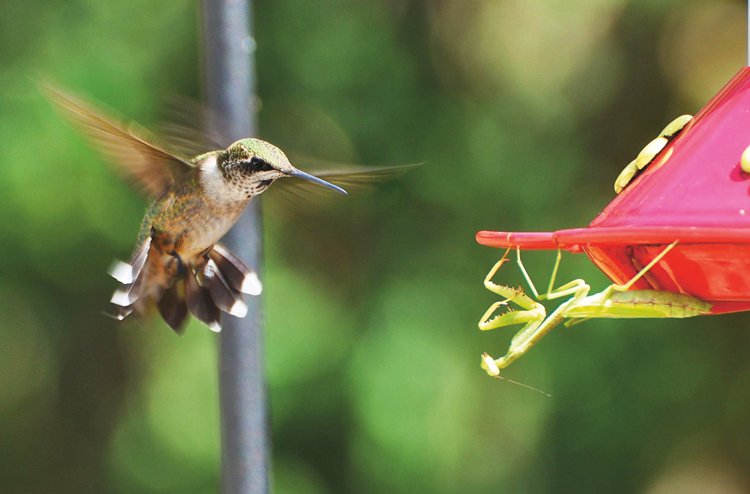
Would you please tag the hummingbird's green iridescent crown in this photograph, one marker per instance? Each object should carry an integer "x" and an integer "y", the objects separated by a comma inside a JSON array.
[{"x": 267, "y": 153}]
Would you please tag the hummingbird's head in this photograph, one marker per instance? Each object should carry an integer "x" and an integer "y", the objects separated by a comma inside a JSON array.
[{"x": 252, "y": 165}]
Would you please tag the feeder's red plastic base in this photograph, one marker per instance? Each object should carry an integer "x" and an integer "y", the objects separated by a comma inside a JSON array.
[
  {"x": 711, "y": 264},
  {"x": 694, "y": 193}
]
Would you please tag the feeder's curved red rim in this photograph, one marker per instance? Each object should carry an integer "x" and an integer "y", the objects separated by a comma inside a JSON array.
[{"x": 575, "y": 239}]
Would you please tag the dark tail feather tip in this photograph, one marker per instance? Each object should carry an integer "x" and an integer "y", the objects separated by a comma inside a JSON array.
[{"x": 237, "y": 274}]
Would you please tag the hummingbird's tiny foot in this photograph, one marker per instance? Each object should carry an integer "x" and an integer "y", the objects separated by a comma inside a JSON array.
[{"x": 180, "y": 269}]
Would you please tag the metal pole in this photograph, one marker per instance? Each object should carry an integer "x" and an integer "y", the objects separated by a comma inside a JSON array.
[{"x": 228, "y": 48}]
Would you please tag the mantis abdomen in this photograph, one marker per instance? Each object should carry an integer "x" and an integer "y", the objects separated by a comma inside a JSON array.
[{"x": 639, "y": 304}]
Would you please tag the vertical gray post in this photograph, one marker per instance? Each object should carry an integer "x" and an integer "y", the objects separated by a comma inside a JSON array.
[{"x": 228, "y": 48}]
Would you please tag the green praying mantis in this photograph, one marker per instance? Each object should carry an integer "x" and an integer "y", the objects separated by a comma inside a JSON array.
[{"x": 615, "y": 301}]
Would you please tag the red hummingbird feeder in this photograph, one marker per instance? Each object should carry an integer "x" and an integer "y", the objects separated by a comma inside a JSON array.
[{"x": 694, "y": 192}]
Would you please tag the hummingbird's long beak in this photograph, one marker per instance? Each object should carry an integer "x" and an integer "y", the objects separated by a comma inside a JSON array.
[{"x": 316, "y": 180}]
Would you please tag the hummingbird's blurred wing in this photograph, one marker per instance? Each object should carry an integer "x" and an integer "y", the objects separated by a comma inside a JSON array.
[
  {"x": 130, "y": 147},
  {"x": 292, "y": 198},
  {"x": 350, "y": 177},
  {"x": 190, "y": 127}
]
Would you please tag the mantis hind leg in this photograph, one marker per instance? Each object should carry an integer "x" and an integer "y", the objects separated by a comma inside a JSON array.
[
  {"x": 570, "y": 288},
  {"x": 640, "y": 274}
]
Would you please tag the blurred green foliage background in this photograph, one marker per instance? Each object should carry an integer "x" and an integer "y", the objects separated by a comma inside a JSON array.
[{"x": 524, "y": 113}]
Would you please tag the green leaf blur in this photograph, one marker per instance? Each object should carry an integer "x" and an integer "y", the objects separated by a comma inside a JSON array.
[{"x": 523, "y": 112}]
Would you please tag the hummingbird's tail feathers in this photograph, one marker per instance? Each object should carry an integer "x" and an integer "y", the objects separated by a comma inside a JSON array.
[
  {"x": 139, "y": 257},
  {"x": 173, "y": 307},
  {"x": 210, "y": 288},
  {"x": 224, "y": 296},
  {"x": 205, "y": 290},
  {"x": 131, "y": 275},
  {"x": 127, "y": 272},
  {"x": 121, "y": 271},
  {"x": 135, "y": 290},
  {"x": 119, "y": 313},
  {"x": 200, "y": 304},
  {"x": 127, "y": 295},
  {"x": 235, "y": 272}
]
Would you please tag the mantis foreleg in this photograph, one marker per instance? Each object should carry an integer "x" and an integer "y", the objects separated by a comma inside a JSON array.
[{"x": 536, "y": 326}]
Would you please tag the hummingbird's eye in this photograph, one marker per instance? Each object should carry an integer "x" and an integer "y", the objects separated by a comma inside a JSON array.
[{"x": 258, "y": 165}]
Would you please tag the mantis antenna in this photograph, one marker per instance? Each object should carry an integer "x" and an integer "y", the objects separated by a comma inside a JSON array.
[{"x": 525, "y": 386}]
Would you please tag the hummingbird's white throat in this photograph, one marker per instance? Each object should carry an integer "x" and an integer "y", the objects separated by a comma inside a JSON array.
[{"x": 216, "y": 186}]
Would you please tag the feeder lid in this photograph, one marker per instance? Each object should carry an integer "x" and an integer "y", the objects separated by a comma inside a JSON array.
[{"x": 694, "y": 191}]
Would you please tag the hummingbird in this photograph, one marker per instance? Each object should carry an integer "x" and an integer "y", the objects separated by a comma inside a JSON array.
[{"x": 179, "y": 264}]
